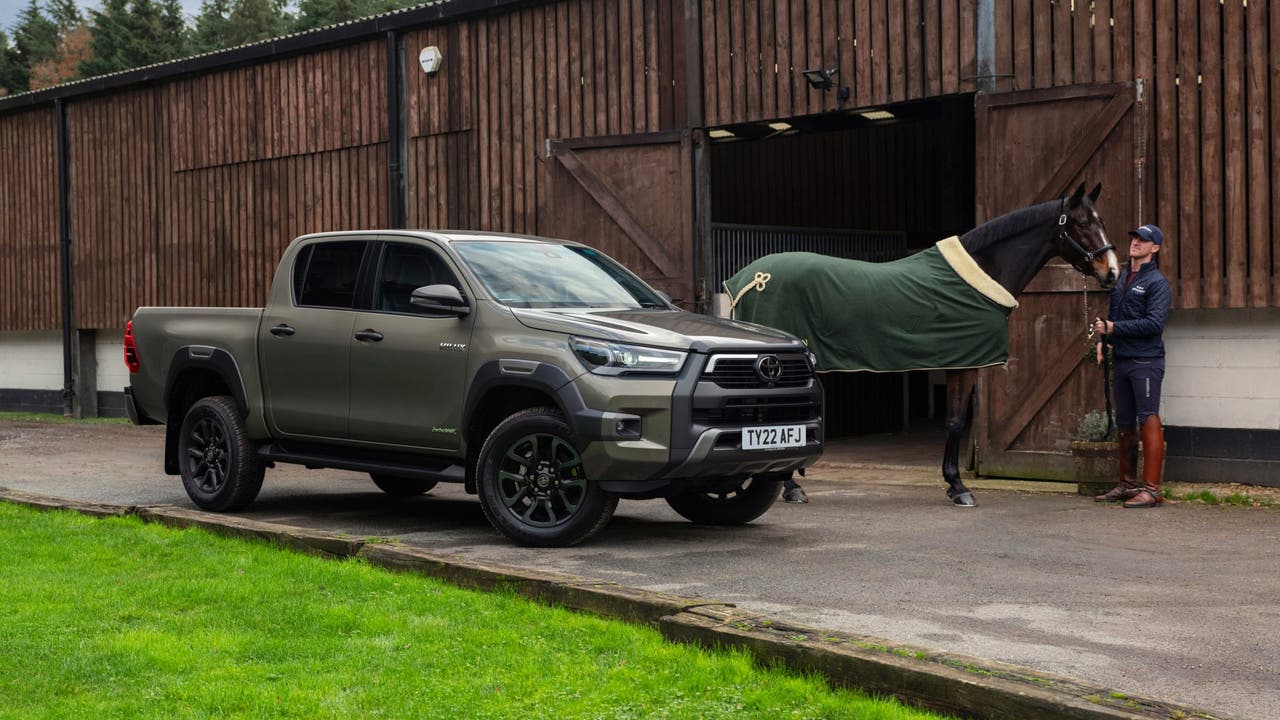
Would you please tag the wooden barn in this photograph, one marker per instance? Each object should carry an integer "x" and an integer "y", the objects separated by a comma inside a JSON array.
[{"x": 684, "y": 138}]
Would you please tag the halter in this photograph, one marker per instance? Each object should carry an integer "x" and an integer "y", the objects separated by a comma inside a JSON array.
[{"x": 1063, "y": 239}]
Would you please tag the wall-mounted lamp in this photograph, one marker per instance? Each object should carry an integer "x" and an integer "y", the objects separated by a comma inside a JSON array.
[
  {"x": 821, "y": 79},
  {"x": 430, "y": 58}
]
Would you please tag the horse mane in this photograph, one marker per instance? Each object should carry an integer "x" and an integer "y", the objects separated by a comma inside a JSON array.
[{"x": 1010, "y": 225}]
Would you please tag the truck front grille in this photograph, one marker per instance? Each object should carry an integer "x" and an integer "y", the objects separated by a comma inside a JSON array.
[
  {"x": 759, "y": 411},
  {"x": 737, "y": 372}
]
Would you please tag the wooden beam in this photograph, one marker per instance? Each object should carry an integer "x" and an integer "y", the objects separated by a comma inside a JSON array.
[
  {"x": 1008, "y": 430},
  {"x": 1087, "y": 143}
]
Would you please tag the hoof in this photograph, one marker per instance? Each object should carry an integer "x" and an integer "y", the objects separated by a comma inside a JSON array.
[
  {"x": 795, "y": 495},
  {"x": 964, "y": 499}
]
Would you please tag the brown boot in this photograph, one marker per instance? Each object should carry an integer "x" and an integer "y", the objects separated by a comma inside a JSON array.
[
  {"x": 1152, "y": 465},
  {"x": 1128, "y": 485}
]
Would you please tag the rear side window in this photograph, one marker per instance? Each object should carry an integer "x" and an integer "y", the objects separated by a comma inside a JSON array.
[{"x": 324, "y": 274}]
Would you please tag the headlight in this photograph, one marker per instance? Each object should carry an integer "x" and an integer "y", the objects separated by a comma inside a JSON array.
[{"x": 610, "y": 358}]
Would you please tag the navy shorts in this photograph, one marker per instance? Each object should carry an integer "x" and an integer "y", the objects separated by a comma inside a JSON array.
[{"x": 1137, "y": 389}]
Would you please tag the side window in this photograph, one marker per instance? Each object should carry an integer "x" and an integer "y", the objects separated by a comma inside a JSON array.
[
  {"x": 324, "y": 275},
  {"x": 406, "y": 268}
]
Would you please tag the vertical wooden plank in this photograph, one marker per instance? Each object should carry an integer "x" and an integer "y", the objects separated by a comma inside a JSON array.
[
  {"x": 950, "y": 47},
  {"x": 932, "y": 47},
  {"x": 1082, "y": 42},
  {"x": 1021, "y": 31},
  {"x": 1256, "y": 156},
  {"x": 1042, "y": 42},
  {"x": 724, "y": 64},
  {"x": 751, "y": 60},
  {"x": 529, "y": 139},
  {"x": 639, "y": 67},
  {"x": 1107, "y": 42},
  {"x": 896, "y": 51},
  {"x": 599, "y": 76},
  {"x": 1063, "y": 32},
  {"x": 829, "y": 23},
  {"x": 880, "y": 50},
  {"x": 654, "y": 62},
  {"x": 626, "y": 66},
  {"x": 538, "y": 17},
  {"x": 1189, "y": 199},
  {"x": 574, "y": 81},
  {"x": 1273, "y": 18},
  {"x": 768, "y": 49},
  {"x": 863, "y": 90},
  {"x": 969, "y": 44},
  {"x": 1236, "y": 240},
  {"x": 786, "y": 69},
  {"x": 608, "y": 43},
  {"x": 1211, "y": 153},
  {"x": 505, "y": 128},
  {"x": 914, "y": 30}
]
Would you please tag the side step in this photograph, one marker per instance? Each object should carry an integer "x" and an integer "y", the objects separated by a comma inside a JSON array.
[{"x": 417, "y": 467}]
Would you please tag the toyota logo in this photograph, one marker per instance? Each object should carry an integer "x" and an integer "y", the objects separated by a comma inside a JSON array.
[{"x": 769, "y": 368}]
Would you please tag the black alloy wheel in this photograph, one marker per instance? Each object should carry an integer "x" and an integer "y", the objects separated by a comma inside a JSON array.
[
  {"x": 220, "y": 467},
  {"x": 533, "y": 485}
]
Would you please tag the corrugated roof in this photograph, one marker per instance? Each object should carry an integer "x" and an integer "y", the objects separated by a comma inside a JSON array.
[{"x": 419, "y": 15}]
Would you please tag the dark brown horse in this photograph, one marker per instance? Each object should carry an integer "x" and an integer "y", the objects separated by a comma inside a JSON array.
[{"x": 1010, "y": 250}]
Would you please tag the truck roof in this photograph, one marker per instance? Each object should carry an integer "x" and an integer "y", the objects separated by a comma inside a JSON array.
[{"x": 447, "y": 236}]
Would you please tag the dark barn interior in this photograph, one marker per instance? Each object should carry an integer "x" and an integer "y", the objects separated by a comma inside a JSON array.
[{"x": 859, "y": 184}]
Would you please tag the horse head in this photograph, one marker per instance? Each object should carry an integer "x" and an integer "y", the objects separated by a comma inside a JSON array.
[{"x": 1081, "y": 238}]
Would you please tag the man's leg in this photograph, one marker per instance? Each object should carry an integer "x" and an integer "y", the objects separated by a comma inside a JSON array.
[
  {"x": 1126, "y": 435},
  {"x": 1147, "y": 378}
]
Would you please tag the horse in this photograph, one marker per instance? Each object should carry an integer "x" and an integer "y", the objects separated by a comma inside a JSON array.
[{"x": 1008, "y": 252}]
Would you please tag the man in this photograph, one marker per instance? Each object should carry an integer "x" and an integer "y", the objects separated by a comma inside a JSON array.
[{"x": 1139, "y": 306}]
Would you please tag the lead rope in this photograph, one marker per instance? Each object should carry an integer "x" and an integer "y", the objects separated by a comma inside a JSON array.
[
  {"x": 1092, "y": 348},
  {"x": 760, "y": 280}
]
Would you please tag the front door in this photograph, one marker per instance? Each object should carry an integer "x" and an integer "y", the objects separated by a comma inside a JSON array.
[
  {"x": 303, "y": 346},
  {"x": 409, "y": 367},
  {"x": 1034, "y": 146}
]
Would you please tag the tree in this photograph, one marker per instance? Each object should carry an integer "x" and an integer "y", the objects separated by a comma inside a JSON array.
[
  {"x": 35, "y": 40},
  {"x": 314, "y": 14},
  {"x": 132, "y": 33},
  {"x": 65, "y": 14},
  {"x": 227, "y": 23},
  {"x": 212, "y": 29},
  {"x": 74, "y": 48},
  {"x": 10, "y": 73}
]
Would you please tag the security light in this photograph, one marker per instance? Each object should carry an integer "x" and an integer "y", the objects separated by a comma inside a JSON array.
[{"x": 821, "y": 79}]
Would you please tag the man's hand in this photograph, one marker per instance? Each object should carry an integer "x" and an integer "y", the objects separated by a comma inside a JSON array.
[{"x": 1103, "y": 327}]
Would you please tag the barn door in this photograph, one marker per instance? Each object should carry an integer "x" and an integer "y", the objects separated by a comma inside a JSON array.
[
  {"x": 1033, "y": 146},
  {"x": 630, "y": 197}
]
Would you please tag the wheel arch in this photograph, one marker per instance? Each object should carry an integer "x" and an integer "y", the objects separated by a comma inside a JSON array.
[{"x": 197, "y": 372}]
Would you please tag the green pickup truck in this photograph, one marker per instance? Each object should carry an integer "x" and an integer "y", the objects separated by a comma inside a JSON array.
[{"x": 540, "y": 374}]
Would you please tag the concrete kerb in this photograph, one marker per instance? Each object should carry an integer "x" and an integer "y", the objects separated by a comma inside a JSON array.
[{"x": 960, "y": 685}]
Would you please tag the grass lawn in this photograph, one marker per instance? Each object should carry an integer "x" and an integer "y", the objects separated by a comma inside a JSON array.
[{"x": 117, "y": 618}]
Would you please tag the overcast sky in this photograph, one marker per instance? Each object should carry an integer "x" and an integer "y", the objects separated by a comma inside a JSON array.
[{"x": 9, "y": 10}]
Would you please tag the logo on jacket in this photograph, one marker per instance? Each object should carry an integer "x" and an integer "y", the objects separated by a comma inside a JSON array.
[{"x": 1140, "y": 289}]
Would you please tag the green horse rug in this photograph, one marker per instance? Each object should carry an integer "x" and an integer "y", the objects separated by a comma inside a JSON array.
[{"x": 935, "y": 310}]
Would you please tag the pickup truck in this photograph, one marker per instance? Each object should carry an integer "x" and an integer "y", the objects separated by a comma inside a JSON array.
[{"x": 540, "y": 374}]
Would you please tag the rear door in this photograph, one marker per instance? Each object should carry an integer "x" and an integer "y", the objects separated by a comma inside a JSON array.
[
  {"x": 409, "y": 367},
  {"x": 305, "y": 345},
  {"x": 1033, "y": 146}
]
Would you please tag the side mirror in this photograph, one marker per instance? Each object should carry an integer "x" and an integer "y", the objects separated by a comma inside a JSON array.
[{"x": 445, "y": 299}]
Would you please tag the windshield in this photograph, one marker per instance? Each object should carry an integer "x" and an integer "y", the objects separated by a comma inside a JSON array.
[{"x": 542, "y": 275}]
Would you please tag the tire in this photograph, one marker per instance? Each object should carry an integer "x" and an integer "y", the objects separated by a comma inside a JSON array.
[
  {"x": 401, "y": 487},
  {"x": 738, "y": 506},
  {"x": 532, "y": 485},
  {"x": 220, "y": 467}
]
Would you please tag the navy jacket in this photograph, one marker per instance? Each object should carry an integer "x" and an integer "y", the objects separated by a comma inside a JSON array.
[{"x": 1138, "y": 312}]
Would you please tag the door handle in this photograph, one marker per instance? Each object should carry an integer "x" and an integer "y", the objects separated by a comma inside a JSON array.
[
  {"x": 369, "y": 336},
  {"x": 282, "y": 330}
]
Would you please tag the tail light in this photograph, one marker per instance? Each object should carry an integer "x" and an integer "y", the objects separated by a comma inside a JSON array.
[{"x": 130, "y": 350}]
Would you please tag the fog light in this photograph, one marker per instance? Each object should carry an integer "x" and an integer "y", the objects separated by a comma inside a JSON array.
[{"x": 629, "y": 428}]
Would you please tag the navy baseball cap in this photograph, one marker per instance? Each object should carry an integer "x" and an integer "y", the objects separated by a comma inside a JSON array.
[{"x": 1150, "y": 233}]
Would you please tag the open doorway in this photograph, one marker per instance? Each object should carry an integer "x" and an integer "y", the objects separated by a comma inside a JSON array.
[{"x": 865, "y": 184}]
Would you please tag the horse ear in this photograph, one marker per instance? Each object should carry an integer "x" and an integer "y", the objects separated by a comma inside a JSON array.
[
  {"x": 1095, "y": 192},
  {"x": 1079, "y": 193}
]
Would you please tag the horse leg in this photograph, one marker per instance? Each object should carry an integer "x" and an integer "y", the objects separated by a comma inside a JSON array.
[{"x": 960, "y": 387}]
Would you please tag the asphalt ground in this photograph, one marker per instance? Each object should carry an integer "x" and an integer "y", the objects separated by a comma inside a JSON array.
[{"x": 1178, "y": 603}]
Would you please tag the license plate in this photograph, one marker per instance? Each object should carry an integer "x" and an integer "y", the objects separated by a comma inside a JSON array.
[{"x": 772, "y": 437}]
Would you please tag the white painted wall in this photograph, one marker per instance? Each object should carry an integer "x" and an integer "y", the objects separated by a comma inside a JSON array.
[
  {"x": 1222, "y": 369},
  {"x": 31, "y": 360},
  {"x": 113, "y": 376}
]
